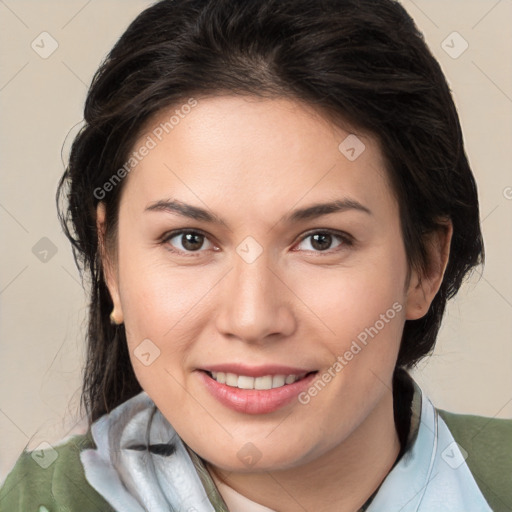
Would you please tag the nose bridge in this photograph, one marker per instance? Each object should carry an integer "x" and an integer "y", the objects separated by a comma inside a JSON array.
[
  {"x": 253, "y": 280},
  {"x": 251, "y": 290},
  {"x": 253, "y": 304}
]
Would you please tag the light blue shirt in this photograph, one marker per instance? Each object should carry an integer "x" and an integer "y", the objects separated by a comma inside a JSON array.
[{"x": 432, "y": 475}]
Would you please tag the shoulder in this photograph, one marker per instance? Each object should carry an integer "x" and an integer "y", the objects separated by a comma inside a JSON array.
[
  {"x": 488, "y": 445},
  {"x": 53, "y": 478}
]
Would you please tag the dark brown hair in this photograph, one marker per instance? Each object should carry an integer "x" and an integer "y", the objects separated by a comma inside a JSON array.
[{"x": 361, "y": 61}]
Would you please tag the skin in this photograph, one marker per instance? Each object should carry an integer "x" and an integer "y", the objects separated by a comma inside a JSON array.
[{"x": 252, "y": 161}]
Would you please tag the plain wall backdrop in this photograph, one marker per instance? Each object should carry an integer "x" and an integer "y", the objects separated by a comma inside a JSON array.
[{"x": 49, "y": 51}]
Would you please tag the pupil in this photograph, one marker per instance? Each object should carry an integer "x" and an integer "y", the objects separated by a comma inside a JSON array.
[
  {"x": 190, "y": 245},
  {"x": 325, "y": 237}
]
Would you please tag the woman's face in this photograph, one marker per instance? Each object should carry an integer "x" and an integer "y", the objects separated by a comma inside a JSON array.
[{"x": 264, "y": 286}]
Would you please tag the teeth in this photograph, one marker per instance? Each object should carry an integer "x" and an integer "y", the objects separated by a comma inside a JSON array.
[
  {"x": 278, "y": 381},
  {"x": 260, "y": 383},
  {"x": 245, "y": 382},
  {"x": 263, "y": 382},
  {"x": 231, "y": 380}
]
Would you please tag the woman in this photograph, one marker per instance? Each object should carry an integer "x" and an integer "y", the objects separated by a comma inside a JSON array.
[{"x": 273, "y": 204}]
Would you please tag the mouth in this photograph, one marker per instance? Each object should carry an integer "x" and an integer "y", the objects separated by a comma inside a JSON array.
[
  {"x": 261, "y": 383},
  {"x": 266, "y": 391}
]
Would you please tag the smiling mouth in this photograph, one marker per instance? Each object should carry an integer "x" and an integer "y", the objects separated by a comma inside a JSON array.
[{"x": 264, "y": 382}]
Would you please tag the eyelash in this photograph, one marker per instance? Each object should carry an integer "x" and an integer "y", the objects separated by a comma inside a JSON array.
[{"x": 346, "y": 239}]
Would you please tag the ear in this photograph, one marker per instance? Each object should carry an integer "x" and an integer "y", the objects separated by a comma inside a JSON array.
[
  {"x": 109, "y": 270},
  {"x": 423, "y": 286}
]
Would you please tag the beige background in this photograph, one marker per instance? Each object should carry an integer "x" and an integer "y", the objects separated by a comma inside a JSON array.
[{"x": 42, "y": 304}]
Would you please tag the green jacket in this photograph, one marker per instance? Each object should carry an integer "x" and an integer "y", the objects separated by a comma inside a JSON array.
[{"x": 62, "y": 486}]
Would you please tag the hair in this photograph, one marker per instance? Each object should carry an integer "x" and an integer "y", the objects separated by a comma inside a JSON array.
[{"x": 362, "y": 62}]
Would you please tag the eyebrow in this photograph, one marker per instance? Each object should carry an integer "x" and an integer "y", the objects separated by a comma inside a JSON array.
[{"x": 310, "y": 212}]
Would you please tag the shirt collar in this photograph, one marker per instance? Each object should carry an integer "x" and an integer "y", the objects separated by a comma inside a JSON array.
[{"x": 430, "y": 475}]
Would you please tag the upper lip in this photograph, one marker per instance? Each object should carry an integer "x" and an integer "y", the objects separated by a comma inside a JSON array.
[{"x": 256, "y": 371}]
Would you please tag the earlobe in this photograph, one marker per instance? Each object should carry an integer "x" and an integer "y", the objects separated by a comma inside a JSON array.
[
  {"x": 116, "y": 316},
  {"x": 423, "y": 286}
]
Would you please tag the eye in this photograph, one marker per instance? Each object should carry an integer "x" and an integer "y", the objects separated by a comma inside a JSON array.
[
  {"x": 187, "y": 241},
  {"x": 321, "y": 241}
]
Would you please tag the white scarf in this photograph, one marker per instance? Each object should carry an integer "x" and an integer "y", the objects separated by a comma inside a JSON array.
[
  {"x": 131, "y": 477},
  {"x": 431, "y": 476}
]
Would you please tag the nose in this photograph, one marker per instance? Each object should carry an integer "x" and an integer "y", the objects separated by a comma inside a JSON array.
[{"x": 255, "y": 303}]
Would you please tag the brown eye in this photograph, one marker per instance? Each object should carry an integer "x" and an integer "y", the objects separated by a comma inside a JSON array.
[
  {"x": 192, "y": 241},
  {"x": 185, "y": 241},
  {"x": 322, "y": 241}
]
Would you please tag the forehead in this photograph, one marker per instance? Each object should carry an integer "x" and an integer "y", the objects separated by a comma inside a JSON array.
[{"x": 254, "y": 154}]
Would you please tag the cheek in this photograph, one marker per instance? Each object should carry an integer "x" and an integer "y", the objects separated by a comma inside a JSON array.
[
  {"x": 151, "y": 308},
  {"x": 156, "y": 296},
  {"x": 348, "y": 301},
  {"x": 362, "y": 313},
  {"x": 163, "y": 307}
]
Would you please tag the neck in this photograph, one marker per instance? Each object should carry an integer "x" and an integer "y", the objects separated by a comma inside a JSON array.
[{"x": 341, "y": 480}]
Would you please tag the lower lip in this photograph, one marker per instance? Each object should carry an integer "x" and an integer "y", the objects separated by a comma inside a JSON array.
[{"x": 252, "y": 401}]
